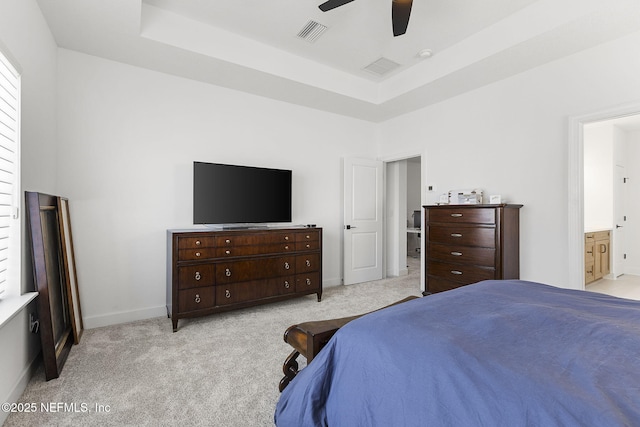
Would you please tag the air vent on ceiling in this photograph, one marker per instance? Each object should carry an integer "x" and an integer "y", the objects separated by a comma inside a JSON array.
[
  {"x": 381, "y": 66},
  {"x": 312, "y": 31}
]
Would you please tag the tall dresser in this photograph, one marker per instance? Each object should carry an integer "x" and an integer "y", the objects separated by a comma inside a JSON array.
[
  {"x": 469, "y": 243},
  {"x": 214, "y": 271}
]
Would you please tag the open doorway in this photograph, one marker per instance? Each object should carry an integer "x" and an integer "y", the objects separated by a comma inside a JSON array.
[
  {"x": 611, "y": 158},
  {"x": 381, "y": 198},
  {"x": 608, "y": 148},
  {"x": 403, "y": 212}
]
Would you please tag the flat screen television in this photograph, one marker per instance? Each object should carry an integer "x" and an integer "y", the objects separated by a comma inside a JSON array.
[{"x": 231, "y": 194}]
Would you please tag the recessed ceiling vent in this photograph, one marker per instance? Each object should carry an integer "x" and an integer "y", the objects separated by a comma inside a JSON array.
[
  {"x": 312, "y": 31},
  {"x": 381, "y": 66}
]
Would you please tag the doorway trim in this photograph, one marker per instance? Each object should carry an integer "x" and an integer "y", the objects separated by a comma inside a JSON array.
[
  {"x": 575, "y": 193},
  {"x": 423, "y": 200}
]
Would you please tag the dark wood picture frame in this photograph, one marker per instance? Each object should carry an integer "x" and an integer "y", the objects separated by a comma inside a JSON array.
[
  {"x": 56, "y": 331},
  {"x": 71, "y": 275}
]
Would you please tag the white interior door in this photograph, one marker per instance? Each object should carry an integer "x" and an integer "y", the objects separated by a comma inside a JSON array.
[
  {"x": 618, "y": 248},
  {"x": 363, "y": 205}
]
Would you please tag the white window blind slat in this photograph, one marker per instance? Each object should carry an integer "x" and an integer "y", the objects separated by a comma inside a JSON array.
[{"x": 9, "y": 130}]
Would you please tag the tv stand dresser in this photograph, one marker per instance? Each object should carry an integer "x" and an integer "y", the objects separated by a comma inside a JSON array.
[{"x": 215, "y": 271}]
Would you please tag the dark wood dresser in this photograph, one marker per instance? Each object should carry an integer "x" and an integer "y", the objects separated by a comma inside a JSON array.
[
  {"x": 213, "y": 271},
  {"x": 469, "y": 243}
]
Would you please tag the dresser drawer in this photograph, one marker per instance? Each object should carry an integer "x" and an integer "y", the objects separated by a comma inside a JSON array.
[
  {"x": 307, "y": 282},
  {"x": 196, "y": 275},
  {"x": 263, "y": 268},
  {"x": 463, "y": 215},
  {"x": 306, "y": 263},
  {"x": 463, "y": 235},
  {"x": 309, "y": 245},
  {"x": 196, "y": 254},
  {"x": 462, "y": 254},
  {"x": 312, "y": 235},
  {"x": 236, "y": 240},
  {"x": 234, "y": 293},
  {"x": 196, "y": 299},
  {"x": 231, "y": 240},
  {"x": 234, "y": 251},
  {"x": 459, "y": 272},
  {"x": 195, "y": 242}
]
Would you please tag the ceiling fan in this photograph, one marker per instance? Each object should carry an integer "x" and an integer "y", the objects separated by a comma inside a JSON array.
[{"x": 400, "y": 12}]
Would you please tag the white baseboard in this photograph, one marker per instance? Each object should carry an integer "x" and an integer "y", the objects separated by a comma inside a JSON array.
[
  {"x": 331, "y": 282},
  {"x": 21, "y": 385},
  {"x": 91, "y": 322},
  {"x": 632, "y": 272},
  {"x": 401, "y": 272}
]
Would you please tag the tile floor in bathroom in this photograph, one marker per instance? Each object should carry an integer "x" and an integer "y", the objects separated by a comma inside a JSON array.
[{"x": 625, "y": 286}]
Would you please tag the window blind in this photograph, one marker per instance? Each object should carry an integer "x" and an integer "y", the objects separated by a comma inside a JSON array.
[{"x": 9, "y": 132}]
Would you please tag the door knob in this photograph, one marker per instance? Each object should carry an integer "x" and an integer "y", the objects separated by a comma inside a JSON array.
[{"x": 618, "y": 226}]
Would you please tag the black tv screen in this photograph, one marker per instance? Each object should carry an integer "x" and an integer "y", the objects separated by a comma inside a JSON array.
[{"x": 230, "y": 194}]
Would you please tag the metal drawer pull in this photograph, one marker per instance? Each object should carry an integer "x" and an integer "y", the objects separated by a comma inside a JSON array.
[
  {"x": 308, "y": 246},
  {"x": 227, "y": 241},
  {"x": 456, "y": 235},
  {"x": 308, "y": 237},
  {"x": 228, "y": 252},
  {"x": 197, "y": 242},
  {"x": 308, "y": 263},
  {"x": 286, "y": 265},
  {"x": 197, "y": 276},
  {"x": 286, "y": 284},
  {"x": 227, "y": 293},
  {"x": 456, "y": 253},
  {"x": 227, "y": 272},
  {"x": 456, "y": 215},
  {"x": 286, "y": 237},
  {"x": 198, "y": 254},
  {"x": 286, "y": 248},
  {"x": 456, "y": 272},
  {"x": 308, "y": 282},
  {"x": 197, "y": 300},
  {"x": 603, "y": 249}
]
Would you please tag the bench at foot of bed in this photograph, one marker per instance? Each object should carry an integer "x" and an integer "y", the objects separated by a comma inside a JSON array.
[{"x": 308, "y": 338}]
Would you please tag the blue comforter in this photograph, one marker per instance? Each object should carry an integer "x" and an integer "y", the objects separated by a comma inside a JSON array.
[{"x": 497, "y": 353}]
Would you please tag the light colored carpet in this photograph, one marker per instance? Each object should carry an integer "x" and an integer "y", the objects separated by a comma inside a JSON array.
[{"x": 221, "y": 370}]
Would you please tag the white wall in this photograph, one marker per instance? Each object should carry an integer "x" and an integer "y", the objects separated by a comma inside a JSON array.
[
  {"x": 128, "y": 138},
  {"x": 598, "y": 176},
  {"x": 396, "y": 218},
  {"x": 511, "y": 138},
  {"x": 25, "y": 38},
  {"x": 632, "y": 232}
]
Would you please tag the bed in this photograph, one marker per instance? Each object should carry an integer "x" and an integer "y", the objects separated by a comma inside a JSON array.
[{"x": 496, "y": 353}]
